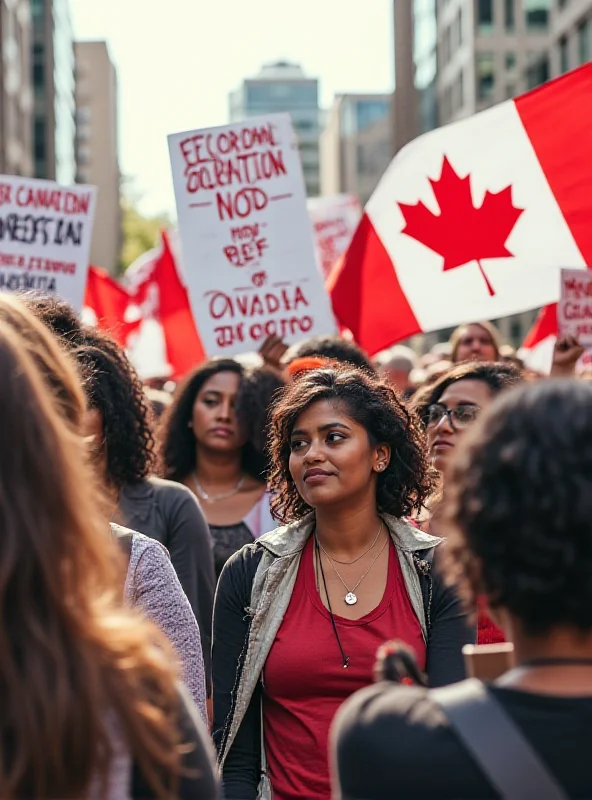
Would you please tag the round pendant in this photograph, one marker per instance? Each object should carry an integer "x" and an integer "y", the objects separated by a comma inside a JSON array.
[{"x": 351, "y": 599}]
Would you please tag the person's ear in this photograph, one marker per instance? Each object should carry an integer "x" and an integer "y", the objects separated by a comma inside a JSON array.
[{"x": 382, "y": 457}]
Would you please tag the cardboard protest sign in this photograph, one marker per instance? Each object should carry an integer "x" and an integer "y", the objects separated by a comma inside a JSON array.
[
  {"x": 246, "y": 236},
  {"x": 574, "y": 310},
  {"x": 45, "y": 237},
  {"x": 334, "y": 222}
]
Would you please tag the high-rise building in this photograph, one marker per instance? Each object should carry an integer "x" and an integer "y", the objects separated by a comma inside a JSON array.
[
  {"x": 97, "y": 146},
  {"x": 282, "y": 86},
  {"x": 54, "y": 84},
  {"x": 356, "y": 144},
  {"x": 16, "y": 97},
  {"x": 485, "y": 48},
  {"x": 415, "y": 99},
  {"x": 571, "y": 35}
]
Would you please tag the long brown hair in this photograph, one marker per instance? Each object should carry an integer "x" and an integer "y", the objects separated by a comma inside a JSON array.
[
  {"x": 69, "y": 652},
  {"x": 58, "y": 370}
]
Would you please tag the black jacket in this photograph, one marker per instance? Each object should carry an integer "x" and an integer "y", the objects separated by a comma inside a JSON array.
[{"x": 448, "y": 631}]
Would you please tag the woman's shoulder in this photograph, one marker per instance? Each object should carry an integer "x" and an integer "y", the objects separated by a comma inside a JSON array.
[
  {"x": 391, "y": 732},
  {"x": 143, "y": 545},
  {"x": 163, "y": 488}
]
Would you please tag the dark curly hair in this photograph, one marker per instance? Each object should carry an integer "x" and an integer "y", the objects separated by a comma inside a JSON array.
[
  {"x": 331, "y": 347},
  {"x": 406, "y": 483},
  {"x": 519, "y": 506},
  {"x": 498, "y": 376},
  {"x": 257, "y": 388},
  {"x": 56, "y": 314},
  {"x": 113, "y": 388}
]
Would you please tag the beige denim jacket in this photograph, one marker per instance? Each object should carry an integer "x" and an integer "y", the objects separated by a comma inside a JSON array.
[{"x": 271, "y": 593}]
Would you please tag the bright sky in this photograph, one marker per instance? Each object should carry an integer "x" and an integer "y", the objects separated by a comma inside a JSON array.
[{"x": 177, "y": 60}]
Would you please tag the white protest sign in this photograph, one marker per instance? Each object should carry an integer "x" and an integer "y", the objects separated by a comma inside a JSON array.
[
  {"x": 246, "y": 237},
  {"x": 45, "y": 237},
  {"x": 574, "y": 311},
  {"x": 334, "y": 222}
]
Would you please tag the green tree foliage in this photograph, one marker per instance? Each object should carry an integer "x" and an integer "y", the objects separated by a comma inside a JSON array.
[{"x": 139, "y": 232}]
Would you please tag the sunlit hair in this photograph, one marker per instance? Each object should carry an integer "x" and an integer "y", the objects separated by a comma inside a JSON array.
[
  {"x": 58, "y": 370},
  {"x": 404, "y": 484},
  {"x": 70, "y": 653},
  {"x": 488, "y": 327}
]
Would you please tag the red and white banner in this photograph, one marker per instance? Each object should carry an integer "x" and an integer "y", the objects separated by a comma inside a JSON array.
[
  {"x": 334, "y": 222},
  {"x": 474, "y": 220},
  {"x": 537, "y": 349},
  {"x": 246, "y": 236},
  {"x": 150, "y": 316}
]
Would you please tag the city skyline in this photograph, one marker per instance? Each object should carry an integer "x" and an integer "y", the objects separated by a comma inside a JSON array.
[{"x": 348, "y": 51}]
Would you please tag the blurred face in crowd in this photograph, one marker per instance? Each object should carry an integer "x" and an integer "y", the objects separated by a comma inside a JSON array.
[
  {"x": 458, "y": 406},
  {"x": 475, "y": 344},
  {"x": 214, "y": 421},
  {"x": 397, "y": 377},
  {"x": 332, "y": 460}
]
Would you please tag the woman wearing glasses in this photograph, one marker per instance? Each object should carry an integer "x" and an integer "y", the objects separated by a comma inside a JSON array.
[{"x": 447, "y": 409}]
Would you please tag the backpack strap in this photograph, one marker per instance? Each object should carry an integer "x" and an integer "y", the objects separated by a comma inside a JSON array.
[{"x": 495, "y": 742}]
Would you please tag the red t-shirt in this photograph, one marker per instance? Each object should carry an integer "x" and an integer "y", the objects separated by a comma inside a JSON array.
[{"x": 305, "y": 682}]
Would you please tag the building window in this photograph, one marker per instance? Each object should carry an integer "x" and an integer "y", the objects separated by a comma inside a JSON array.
[
  {"x": 537, "y": 14},
  {"x": 564, "y": 54},
  {"x": 537, "y": 72},
  {"x": 510, "y": 15},
  {"x": 510, "y": 61},
  {"x": 447, "y": 46},
  {"x": 461, "y": 89},
  {"x": 485, "y": 16},
  {"x": 510, "y": 91},
  {"x": 584, "y": 34},
  {"x": 485, "y": 75},
  {"x": 459, "y": 26}
]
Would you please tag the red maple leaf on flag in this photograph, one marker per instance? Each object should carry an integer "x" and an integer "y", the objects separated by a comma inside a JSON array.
[{"x": 461, "y": 232}]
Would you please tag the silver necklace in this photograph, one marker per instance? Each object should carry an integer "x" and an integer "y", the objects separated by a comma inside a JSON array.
[
  {"x": 365, "y": 553},
  {"x": 351, "y": 598},
  {"x": 214, "y": 498}
]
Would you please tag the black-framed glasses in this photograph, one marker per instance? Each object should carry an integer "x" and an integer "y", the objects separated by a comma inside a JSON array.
[{"x": 459, "y": 417}]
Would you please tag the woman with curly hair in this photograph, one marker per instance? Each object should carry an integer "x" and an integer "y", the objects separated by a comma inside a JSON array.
[
  {"x": 213, "y": 441},
  {"x": 300, "y": 613},
  {"x": 151, "y": 583},
  {"x": 118, "y": 421},
  {"x": 517, "y": 509}
]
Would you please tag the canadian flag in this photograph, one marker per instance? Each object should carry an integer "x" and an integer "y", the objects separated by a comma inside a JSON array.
[
  {"x": 106, "y": 305},
  {"x": 537, "y": 349},
  {"x": 474, "y": 220},
  {"x": 150, "y": 315}
]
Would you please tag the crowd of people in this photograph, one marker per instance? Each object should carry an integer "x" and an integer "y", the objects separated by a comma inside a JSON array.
[{"x": 269, "y": 580}]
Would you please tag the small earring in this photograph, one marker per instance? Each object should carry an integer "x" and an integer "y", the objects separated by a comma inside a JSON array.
[
  {"x": 190, "y": 424},
  {"x": 380, "y": 467}
]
